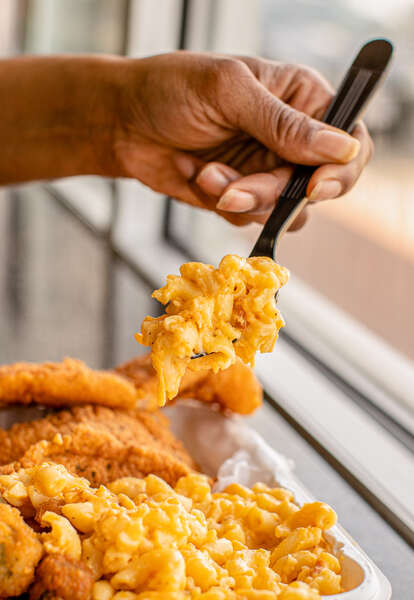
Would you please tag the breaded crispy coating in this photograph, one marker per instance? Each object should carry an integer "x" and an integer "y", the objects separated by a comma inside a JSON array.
[
  {"x": 52, "y": 504},
  {"x": 67, "y": 383},
  {"x": 131, "y": 385},
  {"x": 128, "y": 427},
  {"x": 141, "y": 373},
  {"x": 100, "y": 457},
  {"x": 60, "y": 578},
  {"x": 236, "y": 388},
  {"x": 20, "y": 551}
]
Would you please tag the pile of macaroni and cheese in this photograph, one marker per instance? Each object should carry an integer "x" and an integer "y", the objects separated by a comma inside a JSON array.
[
  {"x": 213, "y": 316},
  {"x": 144, "y": 540}
]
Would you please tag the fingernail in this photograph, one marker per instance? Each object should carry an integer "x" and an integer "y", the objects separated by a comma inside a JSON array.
[
  {"x": 236, "y": 201},
  {"x": 335, "y": 146},
  {"x": 212, "y": 180},
  {"x": 326, "y": 190}
]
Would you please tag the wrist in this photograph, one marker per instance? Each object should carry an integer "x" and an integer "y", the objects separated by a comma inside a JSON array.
[
  {"x": 97, "y": 107},
  {"x": 132, "y": 127}
]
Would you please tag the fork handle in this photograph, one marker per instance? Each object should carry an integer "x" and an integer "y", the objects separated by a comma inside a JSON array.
[{"x": 351, "y": 98}]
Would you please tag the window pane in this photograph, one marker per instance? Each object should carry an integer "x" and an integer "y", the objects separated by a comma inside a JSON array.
[
  {"x": 358, "y": 251},
  {"x": 65, "y": 26}
]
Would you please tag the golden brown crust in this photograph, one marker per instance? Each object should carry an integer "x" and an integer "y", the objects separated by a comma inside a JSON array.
[
  {"x": 236, "y": 388},
  {"x": 20, "y": 551},
  {"x": 70, "y": 382},
  {"x": 141, "y": 373},
  {"x": 131, "y": 385},
  {"x": 128, "y": 427},
  {"x": 52, "y": 504},
  {"x": 101, "y": 458},
  {"x": 60, "y": 578}
]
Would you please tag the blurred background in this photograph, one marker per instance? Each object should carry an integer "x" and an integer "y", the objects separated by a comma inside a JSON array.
[{"x": 80, "y": 257}]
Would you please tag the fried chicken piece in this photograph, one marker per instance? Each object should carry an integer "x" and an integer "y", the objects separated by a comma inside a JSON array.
[
  {"x": 100, "y": 457},
  {"x": 235, "y": 388},
  {"x": 128, "y": 427},
  {"x": 70, "y": 382},
  {"x": 61, "y": 578},
  {"x": 131, "y": 385},
  {"x": 52, "y": 504},
  {"x": 20, "y": 551},
  {"x": 142, "y": 374}
]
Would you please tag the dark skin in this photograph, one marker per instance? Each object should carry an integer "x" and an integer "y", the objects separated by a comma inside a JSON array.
[{"x": 213, "y": 131}]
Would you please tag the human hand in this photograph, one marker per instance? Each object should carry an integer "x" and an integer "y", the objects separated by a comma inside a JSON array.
[{"x": 222, "y": 132}]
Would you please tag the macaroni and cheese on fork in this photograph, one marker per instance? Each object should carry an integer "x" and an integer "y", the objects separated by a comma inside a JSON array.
[{"x": 213, "y": 316}]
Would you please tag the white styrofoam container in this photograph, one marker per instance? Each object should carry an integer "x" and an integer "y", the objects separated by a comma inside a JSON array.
[{"x": 229, "y": 450}]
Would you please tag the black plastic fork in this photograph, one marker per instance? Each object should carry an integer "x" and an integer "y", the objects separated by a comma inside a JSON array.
[{"x": 346, "y": 107}]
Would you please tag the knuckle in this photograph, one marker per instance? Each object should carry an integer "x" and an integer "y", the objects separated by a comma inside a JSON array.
[
  {"x": 227, "y": 69},
  {"x": 291, "y": 126},
  {"x": 348, "y": 178},
  {"x": 311, "y": 76},
  {"x": 307, "y": 73},
  {"x": 295, "y": 75},
  {"x": 316, "y": 81}
]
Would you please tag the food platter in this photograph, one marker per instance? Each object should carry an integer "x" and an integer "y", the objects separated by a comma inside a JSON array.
[{"x": 229, "y": 451}]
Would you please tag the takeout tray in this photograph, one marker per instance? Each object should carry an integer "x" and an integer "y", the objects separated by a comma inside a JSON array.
[
  {"x": 231, "y": 451},
  {"x": 227, "y": 449}
]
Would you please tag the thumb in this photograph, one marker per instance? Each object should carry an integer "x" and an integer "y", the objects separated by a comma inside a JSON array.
[{"x": 293, "y": 135}]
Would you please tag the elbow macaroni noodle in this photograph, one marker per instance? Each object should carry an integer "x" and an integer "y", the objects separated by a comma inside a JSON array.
[
  {"x": 222, "y": 313},
  {"x": 144, "y": 540}
]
